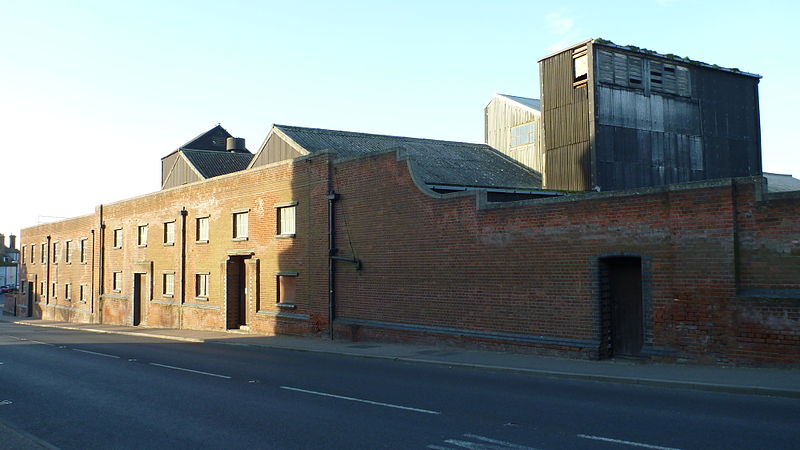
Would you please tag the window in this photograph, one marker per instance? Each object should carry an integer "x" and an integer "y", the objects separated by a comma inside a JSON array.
[
  {"x": 83, "y": 251},
  {"x": 580, "y": 66},
  {"x": 240, "y": 225},
  {"x": 169, "y": 233},
  {"x": 33, "y": 254},
  {"x": 44, "y": 253},
  {"x": 168, "y": 280},
  {"x": 286, "y": 220},
  {"x": 55, "y": 252},
  {"x": 201, "y": 285},
  {"x": 55, "y": 290},
  {"x": 523, "y": 134},
  {"x": 286, "y": 288},
  {"x": 41, "y": 288},
  {"x": 67, "y": 245},
  {"x": 117, "y": 238},
  {"x": 141, "y": 236},
  {"x": 84, "y": 289},
  {"x": 116, "y": 282},
  {"x": 202, "y": 229},
  {"x": 68, "y": 291}
]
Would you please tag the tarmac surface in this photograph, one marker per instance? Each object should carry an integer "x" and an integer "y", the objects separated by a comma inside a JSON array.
[{"x": 738, "y": 380}]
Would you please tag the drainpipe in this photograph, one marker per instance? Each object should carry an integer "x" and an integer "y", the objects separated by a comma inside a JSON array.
[
  {"x": 101, "y": 267},
  {"x": 47, "y": 274},
  {"x": 91, "y": 301},
  {"x": 183, "y": 213},
  {"x": 332, "y": 196}
]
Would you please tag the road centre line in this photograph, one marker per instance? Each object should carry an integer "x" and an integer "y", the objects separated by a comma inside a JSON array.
[
  {"x": 96, "y": 353},
  {"x": 190, "y": 370},
  {"x": 29, "y": 340},
  {"x": 352, "y": 399},
  {"x": 619, "y": 441}
]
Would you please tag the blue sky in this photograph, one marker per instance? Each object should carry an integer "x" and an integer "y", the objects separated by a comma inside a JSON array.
[{"x": 87, "y": 86}]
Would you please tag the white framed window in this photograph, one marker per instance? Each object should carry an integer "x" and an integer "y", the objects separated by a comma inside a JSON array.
[
  {"x": 68, "y": 292},
  {"x": 84, "y": 241},
  {"x": 286, "y": 219},
  {"x": 33, "y": 254},
  {"x": 44, "y": 253},
  {"x": 55, "y": 290},
  {"x": 168, "y": 283},
  {"x": 41, "y": 288},
  {"x": 201, "y": 285},
  {"x": 116, "y": 282},
  {"x": 169, "y": 233},
  {"x": 117, "y": 238},
  {"x": 523, "y": 134},
  {"x": 84, "y": 292},
  {"x": 201, "y": 232},
  {"x": 141, "y": 235},
  {"x": 55, "y": 252},
  {"x": 240, "y": 225},
  {"x": 68, "y": 252}
]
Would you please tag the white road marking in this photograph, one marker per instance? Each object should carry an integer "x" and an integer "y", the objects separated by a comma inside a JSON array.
[
  {"x": 190, "y": 370},
  {"x": 619, "y": 441},
  {"x": 500, "y": 443},
  {"x": 96, "y": 353},
  {"x": 30, "y": 340},
  {"x": 484, "y": 444},
  {"x": 352, "y": 399}
]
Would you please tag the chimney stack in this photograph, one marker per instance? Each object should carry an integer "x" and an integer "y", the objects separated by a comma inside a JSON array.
[
  {"x": 2, "y": 241},
  {"x": 234, "y": 144},
  {"x": 12, "y": 242}
]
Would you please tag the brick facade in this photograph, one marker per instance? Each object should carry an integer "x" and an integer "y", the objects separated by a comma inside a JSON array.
[{"x": 720, "y": 262}]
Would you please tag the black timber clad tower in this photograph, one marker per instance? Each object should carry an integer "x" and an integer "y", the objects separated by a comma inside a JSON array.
[{"x": 622, "y": 117}]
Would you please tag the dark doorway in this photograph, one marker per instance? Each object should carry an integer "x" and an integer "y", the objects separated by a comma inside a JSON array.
[
  {"x": 621, "y": 281},
  {"x": 236, "y": 290},
  {"x": 137, "y": 299},
  {"x": 29, "y": 298}
]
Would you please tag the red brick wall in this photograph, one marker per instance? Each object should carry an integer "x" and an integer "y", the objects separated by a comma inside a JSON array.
[
  {"x": 721, "y": 262},
  {"x": 438, "y": 268}
]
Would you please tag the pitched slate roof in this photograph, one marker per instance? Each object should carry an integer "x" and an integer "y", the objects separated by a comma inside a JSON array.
[
  {"x": 213, "y": 139},
  {"x": 438, "y": 162},
  {"x": 533, "y": 103},
  {"x": 212, "y": 163},
  {"x": 777, "y": 182}
]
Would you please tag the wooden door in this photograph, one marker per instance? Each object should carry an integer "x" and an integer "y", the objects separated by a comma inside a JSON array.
[{"x": 625, "y": 291}]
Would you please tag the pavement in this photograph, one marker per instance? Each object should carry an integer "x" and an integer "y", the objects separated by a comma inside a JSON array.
[{"x": 739, "y": 380}]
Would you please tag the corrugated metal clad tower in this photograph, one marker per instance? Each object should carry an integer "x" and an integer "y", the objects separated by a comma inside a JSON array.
[{"x": 622, "y": 117}]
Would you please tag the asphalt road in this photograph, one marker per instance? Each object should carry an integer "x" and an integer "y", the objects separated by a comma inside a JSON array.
[{"x": 79, "y": 390}]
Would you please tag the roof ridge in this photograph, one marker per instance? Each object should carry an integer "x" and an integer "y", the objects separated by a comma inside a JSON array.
[{"x": 358, "y": 133}]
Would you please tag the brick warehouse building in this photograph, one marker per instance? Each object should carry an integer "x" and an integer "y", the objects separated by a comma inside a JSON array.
[{"x": 432, "y": 241}]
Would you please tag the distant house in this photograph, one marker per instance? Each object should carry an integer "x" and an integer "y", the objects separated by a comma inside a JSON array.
[
  {"x": 9, "y": 257},
  {"x": 512, "y": 125},
  {"x": 208, "y": 155}
]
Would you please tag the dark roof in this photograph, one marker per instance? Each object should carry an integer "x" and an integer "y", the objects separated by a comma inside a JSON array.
[
  {"x": 439, "y": 162},
  {"x": 212, "y": 163},
  {"x": 777, "y": 182},
  {"x": 534, "y": 103},
  {"x": 213, "y": 139}
]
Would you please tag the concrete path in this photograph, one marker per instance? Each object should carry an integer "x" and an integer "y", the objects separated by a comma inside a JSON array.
[{"x": 759, "y": 381}]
